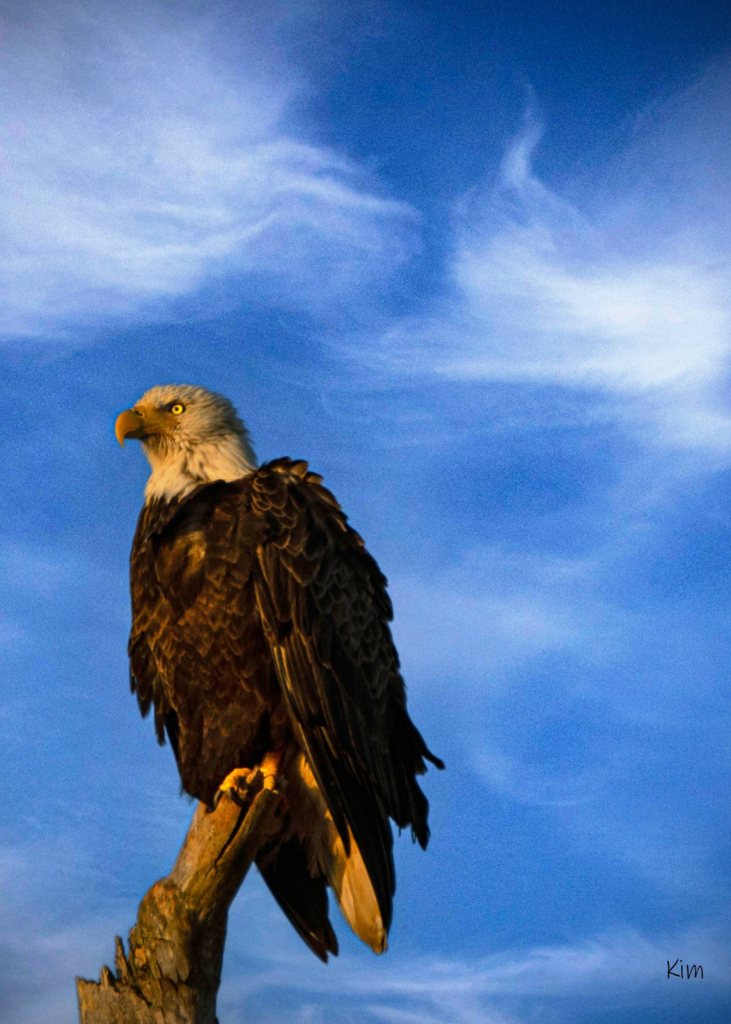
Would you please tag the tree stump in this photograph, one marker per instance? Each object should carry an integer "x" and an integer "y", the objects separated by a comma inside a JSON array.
[{"x": 172, "y": 971}]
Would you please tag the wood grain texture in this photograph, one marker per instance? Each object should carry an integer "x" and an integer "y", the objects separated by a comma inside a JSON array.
[{"x": 172, "y": 970}]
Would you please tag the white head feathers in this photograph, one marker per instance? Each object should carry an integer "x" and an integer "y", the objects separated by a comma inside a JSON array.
[{"x": 195, "y": 437}]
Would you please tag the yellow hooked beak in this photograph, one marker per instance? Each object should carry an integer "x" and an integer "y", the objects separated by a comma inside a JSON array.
[{"x": 130, "y": 423}]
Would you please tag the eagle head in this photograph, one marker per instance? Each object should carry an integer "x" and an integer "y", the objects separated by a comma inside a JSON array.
[{"x": 190, "y": 436}]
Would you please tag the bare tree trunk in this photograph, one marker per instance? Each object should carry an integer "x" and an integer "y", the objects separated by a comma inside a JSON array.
[{"x": 173, "y": 969}]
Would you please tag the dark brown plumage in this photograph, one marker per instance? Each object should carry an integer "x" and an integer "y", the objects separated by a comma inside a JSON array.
[{"x": 260, "y": 624}]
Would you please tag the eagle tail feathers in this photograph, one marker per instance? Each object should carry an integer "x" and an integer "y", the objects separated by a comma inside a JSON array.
[
  {"x": 363, "y": 895},
  {"x": 302, "y": 897},
  {"x": 355, "y": 894}
]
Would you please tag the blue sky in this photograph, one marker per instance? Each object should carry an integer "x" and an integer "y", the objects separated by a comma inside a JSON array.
[{"x": 472, "y": 262}]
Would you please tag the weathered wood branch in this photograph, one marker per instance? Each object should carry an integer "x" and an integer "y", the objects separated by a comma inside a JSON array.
[{"x": 172, "y": 970}]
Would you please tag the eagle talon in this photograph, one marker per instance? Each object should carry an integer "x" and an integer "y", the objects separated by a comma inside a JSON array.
[{"x": 236, "y": 783}]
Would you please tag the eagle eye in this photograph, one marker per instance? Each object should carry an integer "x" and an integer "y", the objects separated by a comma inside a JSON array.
[{"x": 176, "y": 408}]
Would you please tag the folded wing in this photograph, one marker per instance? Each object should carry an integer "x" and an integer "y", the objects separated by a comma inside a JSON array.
[{"x": 325, "y": 611}]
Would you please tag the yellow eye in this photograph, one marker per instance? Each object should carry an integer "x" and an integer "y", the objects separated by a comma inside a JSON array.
[{"x": 177, "y": 409}]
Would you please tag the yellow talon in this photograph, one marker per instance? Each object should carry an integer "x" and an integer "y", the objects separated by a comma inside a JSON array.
[{"x": 238, "y": 779}]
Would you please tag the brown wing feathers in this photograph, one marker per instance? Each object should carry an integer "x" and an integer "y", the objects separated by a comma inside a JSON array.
[
  {"x": 251, "y": 590},
  {"x": 325, "y": 611}
]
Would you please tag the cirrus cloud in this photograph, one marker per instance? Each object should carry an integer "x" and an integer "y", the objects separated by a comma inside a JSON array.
[
  {"x": 624, "y": 292},
  {"x": 141, "y": 160}
]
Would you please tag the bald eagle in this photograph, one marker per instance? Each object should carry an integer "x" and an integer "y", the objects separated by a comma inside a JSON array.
[{"x": 260, "y": 638}]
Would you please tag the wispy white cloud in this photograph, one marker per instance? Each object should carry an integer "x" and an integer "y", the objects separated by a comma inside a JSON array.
[
  {"x": 652, "y": 845},
  {"x": 45, "y": 570},
  {"x": 536, "y": 784},
  {"x": 66, "y": 917},
  {"x": 563, "y": 698},
  {"x": 493, "y": 612},
  {"x": 42, "y": 920},
  {"x": 623, "y": 292},
  {"x": 140, "y": 159},
  {"x": 46, "y": 585},
  {"x": 508, "y": 987}
]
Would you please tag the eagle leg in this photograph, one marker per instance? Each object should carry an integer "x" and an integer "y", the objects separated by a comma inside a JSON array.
[
  {"x": 270, "y": 768},
  {"x": 238, "y": 780}
]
